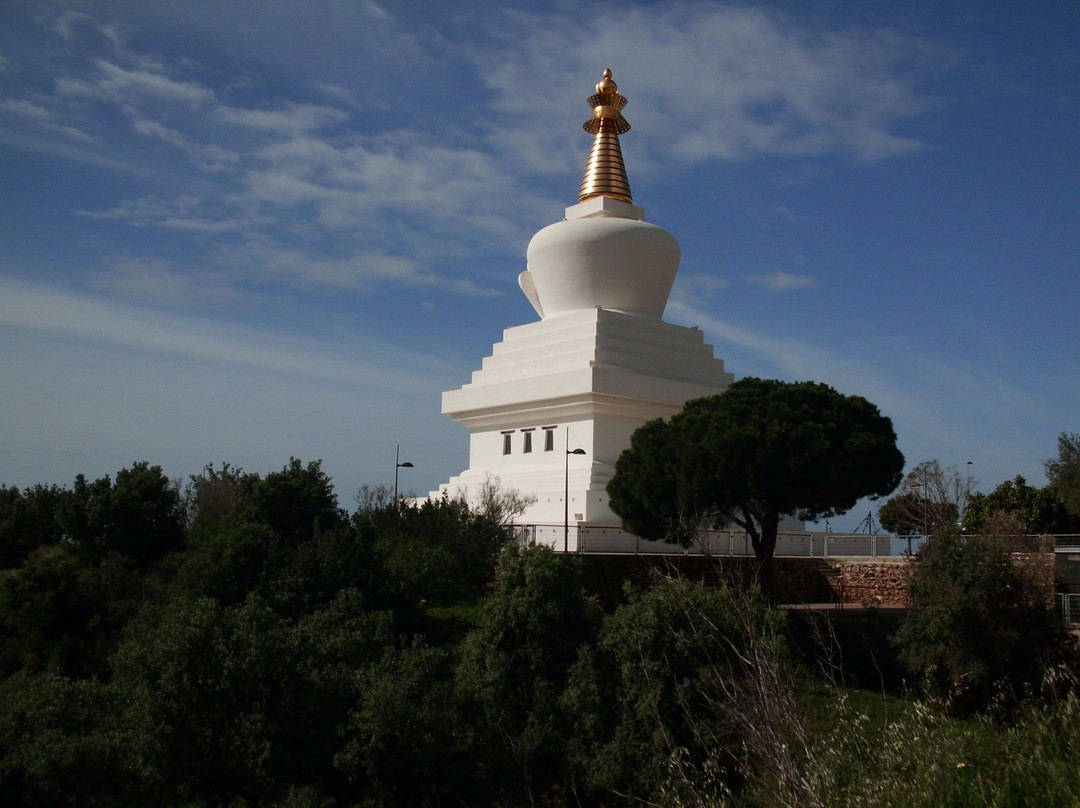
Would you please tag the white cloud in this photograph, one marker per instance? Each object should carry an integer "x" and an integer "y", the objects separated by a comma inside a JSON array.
[
  {"x": 27, "y": 109},
  {"x": 120, "y": 85},
  {"x": 335, "y": 92},
  {"x": 153, "y": 280},
  {"x": 780, "y": 281},
  {"x": 693, "y": 286},
  {"x": 149, "y": 331},
  {"x": 362, "y": 269},
  {"x": 44, "y": 118},
  {"x": 181, "y": 212},
  {"x": 292, "y": 119},
  {"x": 208, "y": 156},
  {"x": 716, "y": 82},
  {"x": 67, "y": 22}
]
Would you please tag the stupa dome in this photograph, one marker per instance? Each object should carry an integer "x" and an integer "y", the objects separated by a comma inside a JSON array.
[{"x": 604, "y": 254}]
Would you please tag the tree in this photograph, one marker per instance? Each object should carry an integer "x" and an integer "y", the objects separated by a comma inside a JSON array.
[
  {"x": 975, "y": 622},
  {"x": 1064, "y": 472},
  {"x": 62, "y": 743},
  {"x": 930, "y": 497},
  {"x": 63, "y": 613},
  {"x": 399, "y": 742},
  {"x": 501, "y": 505},
  {"x": 297, "y": 502},
  {"x": 140, "y": 515},
  {"x": 28, "y": 520},
  {"x": 212, "y": 498},
  {"x": 760, "y": 450},
  {"x": 688, "y": 684},
  {"x": 372, "y": 498},
  {"x": 438, "y": 549},
  {"x": 231, "y": 563},
  {"x": 514, "y": 668},
  {"x": 903, "y": 515},
  {"x": 1040, "y": 509}
]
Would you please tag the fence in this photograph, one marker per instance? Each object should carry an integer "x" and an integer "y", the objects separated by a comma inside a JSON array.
[
  {"x": 607, "y": 539},
  {"x": 585, "y": 538},
  {"x": 1068, "y": 607}
]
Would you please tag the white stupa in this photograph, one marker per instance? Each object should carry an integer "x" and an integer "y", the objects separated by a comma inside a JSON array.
[{"x": 599, "y": 363}]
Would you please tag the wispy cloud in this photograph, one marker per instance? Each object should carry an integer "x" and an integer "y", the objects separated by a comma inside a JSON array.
[
  {"x": 307, "y": 175},
  {"x": 780, "y": 281},
  {"x": 774, "y": 85},
  {"x": 117, "y": 84},
  {"x": 182, "y": 212},
  {"x": 293, "y": 119},
  {"x": 209, "y": 156},
  {"x": 156, "y": 281},
  {"x": 144, "y": 330}
]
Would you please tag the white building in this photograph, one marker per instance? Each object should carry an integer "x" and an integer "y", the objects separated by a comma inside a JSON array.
[{"x": 598, "y": 364}]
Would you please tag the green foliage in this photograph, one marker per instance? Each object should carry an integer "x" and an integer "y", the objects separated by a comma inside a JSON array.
[
  {"x": 140, "y": 516},
  {"x": 437, "y": 550},
  {"x": 213, "y": 498},
  {"x": 911, "y": 514},
  {"x": 232, "y": 563},
  {"x": 228, "y": 702},
  {"x": 297, "y": 502},
  {"x": 62, "y": 613},
  {"x": 931, "y": 497},
  {"x": 267, "y": 660},
  {"x": 758, "y": 451},
  {"x": 62, "y": 743},
  {"x": 645, "y": 491},
  {"x": 1041, "y": 510},
  {"x": 28, "y": 520},
  {"x": 664, "y": 695},
  {"x": 922, "y": 759},
  {"x": 1064, "y": 473},
  {"x": 400, "y": 741},
  {"x": 901, "y": 515},
  {"x": 213, "y": 677},
  {"x": 515, "y": 665},
  {"x": 976, "y": 624}
]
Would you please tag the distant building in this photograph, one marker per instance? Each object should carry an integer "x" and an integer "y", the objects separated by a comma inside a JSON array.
[{"x": 598, "y": 364}]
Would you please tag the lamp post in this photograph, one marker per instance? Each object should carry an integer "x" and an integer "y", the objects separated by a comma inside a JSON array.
[
  {"x": 399, "y": 465},
  {"x": 566, "y": 493},
  {"x": 962, "y": 497},
  {"x": 918, "y": 489}
]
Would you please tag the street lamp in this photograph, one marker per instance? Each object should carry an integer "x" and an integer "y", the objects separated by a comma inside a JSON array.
[
  {"x": 919, "y": 492},
  {"x": 566, "y": 493},
  {"x": 399, "y": 465}
]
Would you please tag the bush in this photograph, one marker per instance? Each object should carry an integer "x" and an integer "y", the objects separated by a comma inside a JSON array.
[{"x": 976, "y": 625}]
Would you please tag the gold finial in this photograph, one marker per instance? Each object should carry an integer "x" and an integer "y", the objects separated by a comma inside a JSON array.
[{"x": 605, "y": 174}]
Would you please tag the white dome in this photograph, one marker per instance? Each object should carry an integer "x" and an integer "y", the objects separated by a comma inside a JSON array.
[{"x": 607, "y": 262}]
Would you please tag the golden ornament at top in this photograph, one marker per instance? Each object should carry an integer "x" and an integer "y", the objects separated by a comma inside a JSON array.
[
  {"x": 605, "y": 173},
  {"x": 607, "y": 104}
]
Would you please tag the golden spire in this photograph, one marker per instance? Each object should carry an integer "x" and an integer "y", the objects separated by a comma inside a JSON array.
[{"x": 605, "y": 174}]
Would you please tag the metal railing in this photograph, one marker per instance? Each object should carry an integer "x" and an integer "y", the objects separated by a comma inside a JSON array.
[
  {"x": 585, "y": 538},
  {"x": 1068, "y": 607},
  {"x": 598, "y": 539}
]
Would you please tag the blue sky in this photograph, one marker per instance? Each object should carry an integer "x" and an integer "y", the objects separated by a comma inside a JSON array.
[{"x": 239, "y": 232}]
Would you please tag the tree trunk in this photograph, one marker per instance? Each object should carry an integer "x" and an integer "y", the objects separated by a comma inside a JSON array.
[{"x": 764, "y": 550}]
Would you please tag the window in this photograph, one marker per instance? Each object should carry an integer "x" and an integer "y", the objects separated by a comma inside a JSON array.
[
  {"x": 527, "y": 445},
  {"x": 549, "y": 438},
  {"x": 506, "y": 442}
]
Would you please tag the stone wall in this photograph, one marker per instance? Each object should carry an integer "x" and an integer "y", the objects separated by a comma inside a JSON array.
[
  {"x": 870, "y": 581},
  {"x": 795, "y": 580}
]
